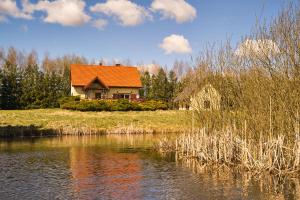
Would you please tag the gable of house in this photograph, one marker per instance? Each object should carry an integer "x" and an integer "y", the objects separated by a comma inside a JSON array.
[{"x": 208, "y": 98}]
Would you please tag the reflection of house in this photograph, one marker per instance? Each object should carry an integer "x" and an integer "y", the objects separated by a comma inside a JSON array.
[
  {"x": 105, "y": 82},
  {"x": 105, "y": 175},
  {"x": 208, "y": 98}
]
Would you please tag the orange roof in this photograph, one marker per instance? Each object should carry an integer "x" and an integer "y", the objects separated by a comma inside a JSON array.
[{"x": 110, "y": 76}]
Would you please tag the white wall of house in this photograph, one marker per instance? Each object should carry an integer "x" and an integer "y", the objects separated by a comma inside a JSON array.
[
  {"x": 90, "y": 94},
  {"x": 207, "y": 99},
  {"x": 78, "y": 91},
  {"x": 122, "y": 91}
]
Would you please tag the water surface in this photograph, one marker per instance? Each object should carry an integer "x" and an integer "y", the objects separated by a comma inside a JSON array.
[{"x": 117, "y": 167}]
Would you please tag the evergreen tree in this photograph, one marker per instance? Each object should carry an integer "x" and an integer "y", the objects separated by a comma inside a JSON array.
[
  {"x": 160, "y": 85},
  {"x": 30, "y": 86},
  {"x": 10, "y": 87},
  {"x": 172, "y": 88}
]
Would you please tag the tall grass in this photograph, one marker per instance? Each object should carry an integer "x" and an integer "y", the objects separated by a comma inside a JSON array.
[{"x": 274, "y": 154}]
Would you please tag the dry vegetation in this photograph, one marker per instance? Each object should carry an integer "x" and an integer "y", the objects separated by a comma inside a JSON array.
[
  {"x": 258, "y": 125},
  {"x": 272, "y": 154},
  {"x": 259, "y": 81}
]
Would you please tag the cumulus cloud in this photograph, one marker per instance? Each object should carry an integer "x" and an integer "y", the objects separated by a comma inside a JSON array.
[
  {"x": 125, "y": 11},
  {"x": 64, "y": 12},
  {"x": 252, "y": 47},
  {"x": 179, "y": 10},
  {"x": 151, "y": 68},
  {"x": 99, "y": 23},
  {"x": 10, "y": 8},
  {"x": 175, "y": 44}
]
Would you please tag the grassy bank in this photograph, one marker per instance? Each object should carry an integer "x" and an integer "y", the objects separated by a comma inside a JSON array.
[{"x": 58, "y": 121}]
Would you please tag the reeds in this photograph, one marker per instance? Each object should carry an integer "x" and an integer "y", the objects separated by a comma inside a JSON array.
[{"x": 274, "y": 154}]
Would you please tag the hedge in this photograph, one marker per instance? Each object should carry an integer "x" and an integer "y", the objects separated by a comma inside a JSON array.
[{"x": 113, "y": 105}]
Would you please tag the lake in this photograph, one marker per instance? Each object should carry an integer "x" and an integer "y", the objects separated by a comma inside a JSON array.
[{"x": 119, "y": 167}]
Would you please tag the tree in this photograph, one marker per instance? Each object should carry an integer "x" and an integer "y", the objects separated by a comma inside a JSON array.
[
  {"x": 160, "y": 85},
  {"x": 10, "y": 86},
  {"x": 146, "y": 82},
  {"x": 172, "y": 88}
]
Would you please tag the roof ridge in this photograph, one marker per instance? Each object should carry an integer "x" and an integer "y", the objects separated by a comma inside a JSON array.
[{"x": 89, "y": 65}]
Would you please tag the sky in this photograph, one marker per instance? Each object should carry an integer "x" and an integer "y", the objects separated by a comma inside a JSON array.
[{"x": 143, "y": 31}]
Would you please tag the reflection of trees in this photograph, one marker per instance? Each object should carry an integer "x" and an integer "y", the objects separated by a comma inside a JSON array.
[{"x": 108, "y": 175}]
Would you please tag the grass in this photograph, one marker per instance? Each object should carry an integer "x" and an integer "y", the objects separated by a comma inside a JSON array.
[{"x": 75, "y": 122}]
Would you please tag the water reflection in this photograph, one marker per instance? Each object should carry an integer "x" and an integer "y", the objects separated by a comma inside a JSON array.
[
  {"x": 253, "y": 186},
  {"x": 121, "y": 167},
  {"x": 95, "y": 173}
]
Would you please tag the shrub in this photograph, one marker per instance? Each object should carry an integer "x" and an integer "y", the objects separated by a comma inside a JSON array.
[
  {"x": 153, "y": 105},
  {"x": 113, "y": 105},
  {"x": 67, "y": 99}
]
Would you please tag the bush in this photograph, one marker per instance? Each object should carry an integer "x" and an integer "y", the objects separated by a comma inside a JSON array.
[
  {"x": 153, "y": 105},
  {"x": 113, "y": 105},
  {"x": 68, "y": 99}
]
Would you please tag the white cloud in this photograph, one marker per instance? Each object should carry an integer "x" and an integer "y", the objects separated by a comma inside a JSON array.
[
  {"x": 257, "y": 48},
  {"x": 179, "y": 10},
  {"x": 175, "y": 44},
  {"x": 99, "y": 23},
  {"x": 10, "y": 8},
  {"x": 64, "y": 12},
  {"x": 125, "y": 11},
  {"x": 151, "y": 68}
]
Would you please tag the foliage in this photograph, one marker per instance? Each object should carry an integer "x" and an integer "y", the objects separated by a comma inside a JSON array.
[
  {"x": 153, "y": 105},
  {"x": 160, "y": 86},
  {"x": 67, "y": 99},
  {"x": 24, "y": 84},
  {"x": 113, "y": 105}
]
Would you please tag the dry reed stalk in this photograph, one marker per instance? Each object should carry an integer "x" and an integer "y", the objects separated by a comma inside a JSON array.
[{"x": 275, "y": 155}]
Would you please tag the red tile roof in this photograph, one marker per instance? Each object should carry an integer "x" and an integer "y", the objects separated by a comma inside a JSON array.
[{"x": 110, "y": 76}]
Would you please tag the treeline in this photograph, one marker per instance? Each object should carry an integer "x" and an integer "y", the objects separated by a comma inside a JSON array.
[
  {"x": 25, "y": 84},
  {"x": 163, "y": 86},
  {"x": 259, "y": 80}
]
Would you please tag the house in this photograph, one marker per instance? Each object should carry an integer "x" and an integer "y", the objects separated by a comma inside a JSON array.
[
  {"x": 105, "y": 82},
  {"x": 208, "y": 98}
]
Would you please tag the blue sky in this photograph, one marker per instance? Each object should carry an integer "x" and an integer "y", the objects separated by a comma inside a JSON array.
[{"x": 156, "y": 32}]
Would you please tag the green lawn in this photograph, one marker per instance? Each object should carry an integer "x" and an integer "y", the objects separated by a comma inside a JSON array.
[{"x": 86, "y": 122}]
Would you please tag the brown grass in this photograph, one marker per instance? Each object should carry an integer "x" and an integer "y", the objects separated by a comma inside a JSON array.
[{"x": 274, "y": 154}]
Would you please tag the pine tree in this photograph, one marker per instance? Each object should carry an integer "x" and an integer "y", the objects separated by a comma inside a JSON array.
[
  {"x": 10, "y": 87},
  {"x": 172, "y": 88},
  {"x": 159, "y": 85}
]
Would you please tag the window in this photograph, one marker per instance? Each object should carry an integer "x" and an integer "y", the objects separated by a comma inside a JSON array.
[
  {"x": 121, "y": 96},
  {"x": 98, "y": 95},
  {"x": 206, "y": 104},
  {"x": 124, "y": 96}
]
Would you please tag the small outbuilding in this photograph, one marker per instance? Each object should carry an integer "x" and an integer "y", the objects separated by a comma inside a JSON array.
[{"x": 208, "y": 98}]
